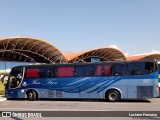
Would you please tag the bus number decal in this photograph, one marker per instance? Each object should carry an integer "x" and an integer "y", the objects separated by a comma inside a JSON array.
[{"x": 146, "y": 80}]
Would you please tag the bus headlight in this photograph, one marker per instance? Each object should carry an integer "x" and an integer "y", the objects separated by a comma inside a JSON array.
[
  {"x": 158, "y": 88},
  {"x": 22, "y": 91}
]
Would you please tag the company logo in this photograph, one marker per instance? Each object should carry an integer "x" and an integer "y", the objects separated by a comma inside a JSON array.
[{"x": 6, "y": 114}]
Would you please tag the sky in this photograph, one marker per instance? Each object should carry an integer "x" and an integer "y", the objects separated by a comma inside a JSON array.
[{"x": 76, "y": 25}]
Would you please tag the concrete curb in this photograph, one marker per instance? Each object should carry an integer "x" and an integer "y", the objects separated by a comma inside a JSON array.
[{"x": 2, "y": 98}]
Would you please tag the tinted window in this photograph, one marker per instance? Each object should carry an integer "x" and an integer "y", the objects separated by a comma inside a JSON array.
[
  {"x": 122, "y": 69},
  {"x": 107, "y": 70},
  {"x": 84, "y": 71},
  {"x": 17, "y": 70},
  {"x": 65, "y": 71},
  {"x": 149, "y": 67},
  {"x": 43, "y": 72},
  {"x": 89, "y": 70},
  {"x": 32, "y": 73},
  {"x": 52, "y": 72},
  {"x": 138, "y": 68},
  {"x": 98, "y": 71},
  {"x": 80, "y": 71},
  {"x": 47, "y": 72},
  {"x": 103, "y": 70}
]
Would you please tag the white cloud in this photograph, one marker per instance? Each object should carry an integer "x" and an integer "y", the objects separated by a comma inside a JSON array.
[
  {"x": 155, "y": 51},
  {"x": 114, "y": 46},
  {"x": 126, "y": 54}
]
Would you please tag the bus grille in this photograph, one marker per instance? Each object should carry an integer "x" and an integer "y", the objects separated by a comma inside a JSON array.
[
  {"x": 58, "y": 94},
  {"x": 144, "y": 91},
  {"x": 50, "y": 93}
]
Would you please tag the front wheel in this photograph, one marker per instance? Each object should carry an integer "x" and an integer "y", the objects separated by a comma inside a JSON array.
[
  {"x": 113, "y": 96},
  {"x": 32, "y": 95}
]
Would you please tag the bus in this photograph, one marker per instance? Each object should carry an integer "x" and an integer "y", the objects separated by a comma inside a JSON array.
[{"x": 111, "y": 81}]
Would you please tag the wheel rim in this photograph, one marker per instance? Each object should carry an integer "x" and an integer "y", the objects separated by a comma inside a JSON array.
[
  {"x": 113, "y": 96},
  {"x": 30, "y": 95}
]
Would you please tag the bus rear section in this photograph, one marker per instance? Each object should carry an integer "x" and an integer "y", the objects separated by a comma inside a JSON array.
[
  {"x": 136, "y": 80},
  {"x": 159, "y": 75}
]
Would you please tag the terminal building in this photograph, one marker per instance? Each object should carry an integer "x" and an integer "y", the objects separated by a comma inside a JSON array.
[
  {"x": 145, "y": 56},
  {"x": 16, "y": 51}
]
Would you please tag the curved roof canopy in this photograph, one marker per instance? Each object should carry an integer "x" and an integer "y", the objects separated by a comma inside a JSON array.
[
  {"x": 147, "y": 56},
  {"x": 105, "y": 54},
  {"x": 29, "y": 50}
]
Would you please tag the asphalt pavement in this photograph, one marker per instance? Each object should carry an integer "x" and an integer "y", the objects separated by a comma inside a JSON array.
[{"x": 53, "y": 105}]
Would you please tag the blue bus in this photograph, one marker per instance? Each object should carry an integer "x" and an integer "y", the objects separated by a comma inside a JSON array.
[{"x": 111, "y": 81}]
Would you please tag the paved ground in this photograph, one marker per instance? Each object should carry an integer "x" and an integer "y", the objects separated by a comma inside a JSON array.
[
  {"x": 87, "y": 105},
  {"x": 2, "y": 98},
  {"x": 80, "y": 105}
]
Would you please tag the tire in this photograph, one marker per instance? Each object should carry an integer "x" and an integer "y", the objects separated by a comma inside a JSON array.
[
  {"x": 31, "y": 95},
  {"x": 113, "y": 96}
]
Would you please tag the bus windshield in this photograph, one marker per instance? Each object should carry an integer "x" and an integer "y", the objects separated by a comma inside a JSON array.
[{"x": 15, "y": 77}]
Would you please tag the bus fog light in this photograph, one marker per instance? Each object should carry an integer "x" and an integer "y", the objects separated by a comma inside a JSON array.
[{"x": 22, "y": 91}]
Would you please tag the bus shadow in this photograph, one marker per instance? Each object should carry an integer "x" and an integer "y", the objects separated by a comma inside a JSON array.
[
  {"x": 86, "y": 100},
  {"x": 136, "y": 101},
  {"x": 97, "y": 100}
]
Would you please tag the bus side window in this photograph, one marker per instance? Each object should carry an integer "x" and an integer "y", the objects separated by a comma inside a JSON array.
[
  {"x": 138, "y": 68},
  {"x": 98, "y": 71},
  {"x": 69, "y": 71},
  {"x": 52, "y": 72},
  {"x": 107, "y": 70},
  {"x": 149, "y": 67},
  {"x": 117, "y": 70},
  {"x": 122, "y": 69},
  {"x": 61, "y": 72},
  {"x": 43, "y": 72},
  {"x": 82, "y": 71},
  {"x": 32, "y": 73},
  {"x": 89, "y": 70},
  {"x": 65, "y": 72}
]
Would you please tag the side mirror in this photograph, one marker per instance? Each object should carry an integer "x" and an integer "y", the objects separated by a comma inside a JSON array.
[{"x": 5, "y": 86}]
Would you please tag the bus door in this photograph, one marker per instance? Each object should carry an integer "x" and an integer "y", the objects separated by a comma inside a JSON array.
[
  {"x": 4, "y": 80},
  {"x": 13, "y": 83}
]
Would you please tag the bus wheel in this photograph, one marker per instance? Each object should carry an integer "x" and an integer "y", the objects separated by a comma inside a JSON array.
[
  {"x": 31, "y": 95},
  {"x": 113, "y": 96}
]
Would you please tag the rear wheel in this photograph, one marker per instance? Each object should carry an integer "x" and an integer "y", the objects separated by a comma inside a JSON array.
[
  {"x": 31, "y": 95},
  {"x": 113, "y": 96}
]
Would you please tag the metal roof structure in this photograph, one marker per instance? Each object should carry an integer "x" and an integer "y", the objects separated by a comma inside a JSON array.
[
  {"x": 145, "y": 56},
  {"x": 25, "y": 49},
  {"x": 105, "y": 54},
  {"x": 29, "y": 50}
]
